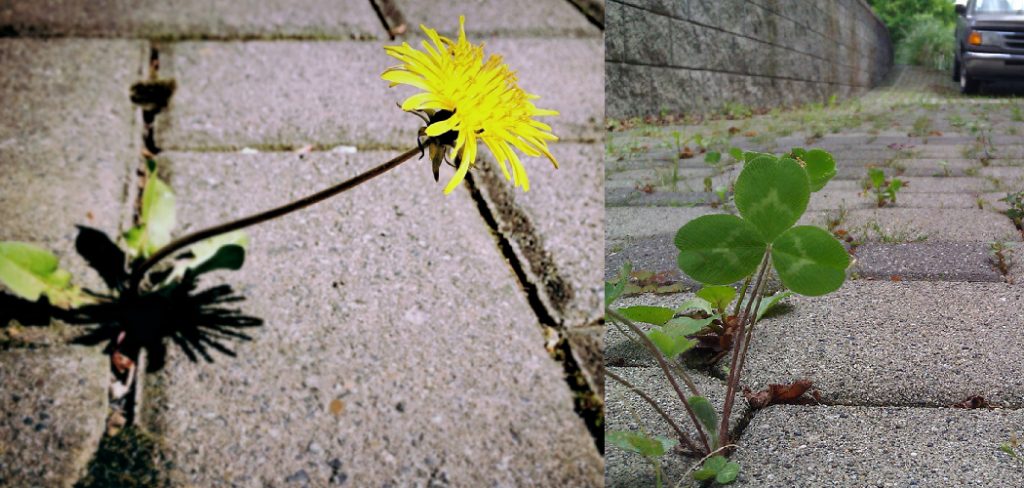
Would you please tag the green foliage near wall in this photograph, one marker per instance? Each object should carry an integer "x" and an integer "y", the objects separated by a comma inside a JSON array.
[
  {"x": 900, "y": 16},
  {"x": 928, "y": 43}
]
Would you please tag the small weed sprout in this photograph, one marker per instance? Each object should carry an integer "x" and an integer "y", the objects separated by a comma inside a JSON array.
[
  {"x": 1015, "y": 202},
  {"x": 1013, "y": 448},
  {"x": 885, "y": 189},
  {"x": 1016, "y": 114},
  {"x": 1000, "y": 255}
]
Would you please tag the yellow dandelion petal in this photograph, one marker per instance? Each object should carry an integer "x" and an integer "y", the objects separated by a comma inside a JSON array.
[{"x": 471, "y": 98}]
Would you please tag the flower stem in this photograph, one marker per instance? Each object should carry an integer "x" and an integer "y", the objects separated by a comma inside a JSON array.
[{"x": 140, "y": 272}]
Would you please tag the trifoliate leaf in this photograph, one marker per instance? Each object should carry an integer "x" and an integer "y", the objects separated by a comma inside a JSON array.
[{"x": 719, "y": 249}]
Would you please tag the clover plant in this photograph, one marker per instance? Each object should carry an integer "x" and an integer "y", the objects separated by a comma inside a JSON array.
[{"x": 720, "y": 250}]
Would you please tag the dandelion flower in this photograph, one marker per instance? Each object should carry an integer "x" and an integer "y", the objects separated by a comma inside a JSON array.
[{"x": 468, "y": 99}]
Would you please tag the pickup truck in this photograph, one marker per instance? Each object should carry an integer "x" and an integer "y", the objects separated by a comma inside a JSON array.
[{"x": 989, "y": 42}]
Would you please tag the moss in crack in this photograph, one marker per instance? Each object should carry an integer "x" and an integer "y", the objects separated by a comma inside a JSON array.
[{"x": 131, "y": 458}]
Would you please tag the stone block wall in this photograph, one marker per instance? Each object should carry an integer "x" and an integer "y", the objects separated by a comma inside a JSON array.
[{"x": 686, "y": 56}]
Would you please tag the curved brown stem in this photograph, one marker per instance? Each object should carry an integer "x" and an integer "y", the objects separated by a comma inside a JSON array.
[
  {"x": 657, "y": 408},
  {"x": 180, "y": 243},
  {"x": 668, "y": 373}
]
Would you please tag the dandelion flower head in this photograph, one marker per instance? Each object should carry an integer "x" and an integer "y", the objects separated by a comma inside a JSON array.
[{"x": 468, "y": 100}]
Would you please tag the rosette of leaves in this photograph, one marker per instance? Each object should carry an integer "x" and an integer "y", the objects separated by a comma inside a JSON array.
[
  {"x": 34, "y": 274},
  {"x": 771, "y": 195}
]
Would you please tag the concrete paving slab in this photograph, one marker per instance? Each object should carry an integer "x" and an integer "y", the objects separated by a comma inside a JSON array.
[
  {"x": 70, "y": 141},
  {"x": 555, "y": 228},
  {"x": 547, "y": 18},
  {"x": 191, "y": 19},
  {"x": 556, "y": 233},
  {"x": 858, "y": 169},
  {"x": 804, "y": 446},
  {"x": 54, "y": 411},
  {"x": 633, "y": 197},
  {"x": 894, "y": 225},
  {"x": 951, "y": 184},
  {"x": 908, "y": 343},
  {"x": 291, "y": 94},
  {"x": 655, "y": 253},
  {"x": 630, "y": 224},
  {"x": 933, "y": 261},
  {"x": 625, "y": 408},
  {"x": 834, "y": 199},
  {"x": 377, "y": 362}
]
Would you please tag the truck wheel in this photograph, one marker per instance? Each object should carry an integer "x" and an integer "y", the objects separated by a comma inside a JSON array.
[
  {"x": 956, "y": 69},
  {"x": 968, "y": 85}
]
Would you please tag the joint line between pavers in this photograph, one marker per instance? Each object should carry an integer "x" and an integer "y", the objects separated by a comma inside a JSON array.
[{"x": 562, "y": 351}]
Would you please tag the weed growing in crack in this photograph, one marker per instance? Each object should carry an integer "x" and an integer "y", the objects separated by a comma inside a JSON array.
[
  {"x": 883, "y": 235},
  {"x": 884, "y": 189},
  {"x": 1000, "y": 255},
  {"x": 1015, "y": 202},
  {"x": 1016, "y": 114},
  {"x": 771, "y": 194},
  {"x": 1013, "y": 448},
  {"x": 922, "y": 127}
]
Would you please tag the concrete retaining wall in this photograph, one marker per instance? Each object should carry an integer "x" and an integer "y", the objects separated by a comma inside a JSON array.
[{"x": 682, "y": 56}]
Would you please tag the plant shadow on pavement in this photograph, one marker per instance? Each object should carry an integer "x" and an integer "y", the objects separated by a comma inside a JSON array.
[{"x": 199, "y": 321}]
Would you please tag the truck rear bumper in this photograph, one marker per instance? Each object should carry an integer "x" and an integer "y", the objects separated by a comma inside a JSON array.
[{"x": 993, "y": 66}]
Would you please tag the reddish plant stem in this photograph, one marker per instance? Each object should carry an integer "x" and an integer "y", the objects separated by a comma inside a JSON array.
[
  {"x": 679, "y": 431},
  {"x": 678, "y": 369},
  {"x": 750, "y": 328},
  {"x": 668, "y": 374},
  {"x": 737, "y": 350}
]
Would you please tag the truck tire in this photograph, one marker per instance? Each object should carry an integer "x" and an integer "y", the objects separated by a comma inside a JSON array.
[
  {"x": 968, "y": 85},
  {"x": 956, "y": 69}
]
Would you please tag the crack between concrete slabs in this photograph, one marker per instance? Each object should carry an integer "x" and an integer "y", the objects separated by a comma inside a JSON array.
[
  {"x": 588, "y": 404},
  {"x": 122, "y": 438}
]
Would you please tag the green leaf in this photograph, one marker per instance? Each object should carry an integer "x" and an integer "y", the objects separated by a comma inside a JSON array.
[
  {"x": 706, "y": 414},
  {"x": 156, "y": 221},
  {"x": 640, "y": 443},
  {"x": 820, "y": 167},
  {"x": 719, "y": 249},
  {"x": 710, "y": 468},
  {"x": 613, "y": 289},
  {"x": 810, "y": 261},
  {"x": 768, "y": 303},
  {"x": 736, "y": 153},
  {"x": 712, "y": 157},
  {"x": 695, "y": 303},
  {"x": 895, "y": 186},
  {"x": 749, "y": 156},
  {"x": 685, "y": 326},
  {"x": 226, "y": 251},
  {"x": 728, "y": 473},
  {"x": 720, "y": 296},
  {"x": 30, "y": 272},
  {"x": 669, "y": 344},
  {"x": 877, "y": 177},
  {"x": 772, "y": 194},
  {"x": 648, "y": 314}
]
